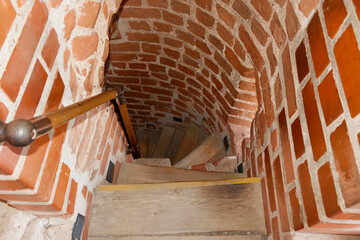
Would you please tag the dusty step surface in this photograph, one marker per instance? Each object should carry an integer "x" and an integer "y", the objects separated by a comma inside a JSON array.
[
  {"x": 134, "y": 174},
  {"x": 173, "y": 208},
  {"x": 234, "y": 236},
  {"x": 164, "y": 162}
]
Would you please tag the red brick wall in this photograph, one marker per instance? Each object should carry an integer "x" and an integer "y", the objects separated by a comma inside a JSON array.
[
  {"x": 184, "y": 59},
  {"x": 51, "y": 55},
  {"x": 304, "y": 140}
]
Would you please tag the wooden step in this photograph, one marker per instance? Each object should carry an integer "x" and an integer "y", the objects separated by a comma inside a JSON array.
[
  {"x": 140, "y": 210},
  {"x": 193, "y": 137},
  {"x": 163, "y": 142},
  {"x": 135, "y": 174},
  {"x": 160, "y": 162},
  {"x": 195, "y": 236},
  {"x": 206, "y": 152}
]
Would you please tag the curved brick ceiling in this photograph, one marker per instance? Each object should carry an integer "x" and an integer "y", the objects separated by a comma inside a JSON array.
[{"x": 192, "y": 59}]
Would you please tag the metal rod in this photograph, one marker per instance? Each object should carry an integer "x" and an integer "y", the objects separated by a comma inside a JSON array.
[{"x": 22, "y": 132}]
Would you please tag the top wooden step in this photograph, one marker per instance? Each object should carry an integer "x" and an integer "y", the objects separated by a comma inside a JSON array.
[{"x": 134, "y": 174}]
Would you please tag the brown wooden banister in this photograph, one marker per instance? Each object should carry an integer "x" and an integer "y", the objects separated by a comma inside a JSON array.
[{"x": 22, "y": 132}]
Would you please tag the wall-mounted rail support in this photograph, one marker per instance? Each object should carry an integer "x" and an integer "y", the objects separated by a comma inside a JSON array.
[{"x": 22, "y": 132}]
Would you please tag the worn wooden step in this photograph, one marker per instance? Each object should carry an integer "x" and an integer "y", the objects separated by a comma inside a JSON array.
[
  {"x": 206, "y": 152},
  {"x": 194, "y": 236},
  {"x": 163, "y": 142},
  {"x": 160, "y": 162},
  {"x": 193, "y": 137},
  {"x": 133, "y": 173},
  {"x": 139, "y": 210}
]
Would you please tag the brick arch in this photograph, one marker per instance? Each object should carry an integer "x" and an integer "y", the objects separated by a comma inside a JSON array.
[{"x": 187, "y": 59}]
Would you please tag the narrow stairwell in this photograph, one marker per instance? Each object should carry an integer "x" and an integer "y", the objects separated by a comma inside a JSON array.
[{"x": 159, "y": 196}]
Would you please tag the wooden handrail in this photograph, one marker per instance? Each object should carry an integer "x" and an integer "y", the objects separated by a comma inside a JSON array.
[{"x": 22, "y": 132}]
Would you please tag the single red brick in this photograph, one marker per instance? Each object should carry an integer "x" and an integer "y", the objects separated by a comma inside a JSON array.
[
  {"x": 346, "y": 167},
  {"x": 307, "y": 193},
  {"x": 295, "y": 206},
  {"x": 263, "y": 7},
  {"x": 56, "y": 94},
  {"x": 269, "y": 181},
  {"x": 211, "y": 65},
  {"x": 84, "y": 191},
  {"x": 105, "y": 159},
  {"x": 289, "y": 82},
  {"x": 265, "y": 203},
  {"x": 285, "y": 146},
  {"x": 204, "y": 18},
  {"x": 173, "y": 18},
  {"x": 72, "y": 198},
  {"x": 180, "y": 7},
  {"x": 302, "y": 62},
  {"x": 266, "y": 93},
  {"x": 334, "y": 14},
  {"x": 234, "y": 60},
  {"x": 313, "y": 120},
  {"x": 171, "y": 53},
  {"x": 348, "y": 68},
  {"x": 227, "y": 17},
  {"x": 329, "y": 99},
  {"x": 259, "y": 32},
  {"x": 278, "y": 92},
  {"x": 33, "y": 92},
  {"x": 280, "y": 194},
  {"x": 274, "y": 140},
  {"x": 196, "y": 29},
  {"x": 139, "y": 25},
  {"x": 140, "y": 13},
  {"x": 23, "y": 53},
  {"x": 225, "y": 34},
  {"x": 187, "y": 37},
  {"x": 89, "y": 14},
  {"x": 291, "y": 21},
  {"x": 143, "y": 37},
  {"x": 137, "y": 66},
  {"x": 176, "y": 74},
  {"x": 8, "y": 14},
  {"x": 317, "y": 45},
  {"x": 223, "y": 63},
  {"x": 162, "y": 27},
  {"x": 277, "y": 31},
  {"x": 328, "y": 191},
  {"x": 298, "y": 140},
  {"x": 239, "y": 50},
  {"x": 173, "y": 42},
  {"x": 251, "y": 48},
  {"x": 126, "y": 47},
  {"x": 205, "y": 4},
  {"x": 275, "y": 228},
  {"x": 242, "y": 9},
  {"x": 216, "y": 42}
]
